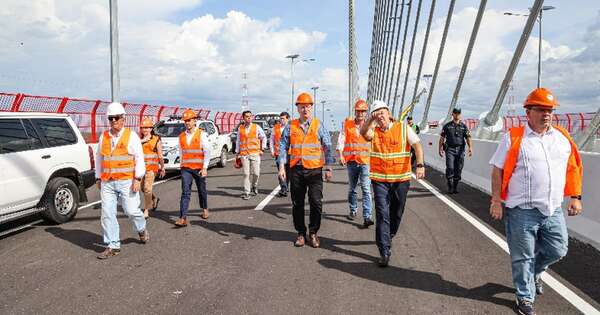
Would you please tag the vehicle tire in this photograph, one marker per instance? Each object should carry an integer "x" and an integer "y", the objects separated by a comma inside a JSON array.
[
  {"x": 60, "y": 201},
  {"x": 223, "y": 158}
]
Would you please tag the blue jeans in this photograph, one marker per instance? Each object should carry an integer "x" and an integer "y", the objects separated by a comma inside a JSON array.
[
  {"x": 535, "y": 242},
  {"x": 390, "y": 199},
  {"x": 360, "y": 172},
  {"x": 187, "y": 177},
  {"x": 111, "y": 192}
]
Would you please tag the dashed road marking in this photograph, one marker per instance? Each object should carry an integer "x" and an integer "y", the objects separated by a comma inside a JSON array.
[{"x": 267, "y": 199}]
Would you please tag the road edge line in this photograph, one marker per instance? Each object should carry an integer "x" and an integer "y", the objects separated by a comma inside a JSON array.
[{"x": 561, "y": 289}]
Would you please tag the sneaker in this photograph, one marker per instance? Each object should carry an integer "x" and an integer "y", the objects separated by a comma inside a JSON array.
[
  {"x": 351, "y": 216},
  {"x": 525, "y": 307},
  {"x": 144, "y": 236},
  {"x": 245, "y": 196},
  {"x": 368, "y": 222},
  {"x": 383, "y": 261},
  {"x": 539, "y": 286},
  {"x": 282, "y": 194},
  {"x": 109, "y": 252},
  {"x": 254, "y": 191}
]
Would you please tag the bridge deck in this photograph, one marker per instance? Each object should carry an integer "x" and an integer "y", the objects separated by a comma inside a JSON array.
[{"x": 242, "y": 261}]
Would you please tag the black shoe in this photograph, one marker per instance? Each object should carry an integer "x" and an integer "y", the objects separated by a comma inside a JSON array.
[
  {"x": 254, "y": 191},
  {"x": 383, "y": 261},
  {"x": 455, "y": 187},
  {"x": 450, "y": 188},
  {"x": 282, "y": 194},
  {"x": 351, "y": 216},
  {"x": 539, "y": 286},
  {"x": 368, "y": 222},
  {"x": 525, "y": 307}
]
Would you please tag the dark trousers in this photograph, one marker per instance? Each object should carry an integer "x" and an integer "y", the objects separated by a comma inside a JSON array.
[
  {"x": 301, "y": 179},
  {"x": 390, "y": 199},
  {"x": 187, "y": 176},
  {"x": 284, "y": 184},
  {"x": 455, "y": 158}
]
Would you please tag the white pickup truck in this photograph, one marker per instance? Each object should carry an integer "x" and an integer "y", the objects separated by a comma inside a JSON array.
[{"x": 169, "y": 131}]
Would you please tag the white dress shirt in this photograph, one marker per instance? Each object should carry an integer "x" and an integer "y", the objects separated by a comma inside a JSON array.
[
  {"x": 538, "y": 180},
  {"x": 134, "y": 147},
  {"x": 205, "y": 147}
]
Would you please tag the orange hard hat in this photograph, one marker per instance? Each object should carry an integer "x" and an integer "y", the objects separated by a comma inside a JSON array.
[
  {"x": 188, "y": 114},
  {"x": 147, "y": 122},
  {"x": 361, "y": 105},
  {"x": 541, "y": 97},
  {"x": 304, "y": 99}
]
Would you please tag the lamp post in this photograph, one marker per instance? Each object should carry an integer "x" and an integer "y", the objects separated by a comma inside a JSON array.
[
  {"x": 323, "y": 110},
  {"x": 115, "y": 85},
  {"x": 539, "y": 69},
  {"x": 314, "y": 88},
  {"x": 292, "y": 58}
]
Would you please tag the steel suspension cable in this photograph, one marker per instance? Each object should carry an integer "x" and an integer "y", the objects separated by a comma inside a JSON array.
[
  {"x": 371, "y": 61},
  {"x": 395, "y": 53},
  {"x": 402, "y": 58},
  {"x": 412, "y": 47},
  {"x": 385, "y": 59}
]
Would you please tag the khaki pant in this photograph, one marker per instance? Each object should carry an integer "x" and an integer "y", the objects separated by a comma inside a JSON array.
[
  {"x": 251, "y": 166},
  {"x": 147, "y": 182}
]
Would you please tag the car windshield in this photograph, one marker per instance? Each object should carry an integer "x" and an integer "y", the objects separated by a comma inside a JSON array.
[{"x": 170, "y": 130}]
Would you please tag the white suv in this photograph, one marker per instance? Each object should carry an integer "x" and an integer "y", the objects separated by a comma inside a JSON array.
[{"x": 45, "y": 166}]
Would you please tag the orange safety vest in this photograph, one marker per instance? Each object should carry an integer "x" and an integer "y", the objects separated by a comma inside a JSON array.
[
  {"x": 192, "y": 154},
  {"x": 390, "y": 155},
  {"x": 356, "y": 148},
  {"x": 151, "y": 154},
  {"x": 574, "y": 174},
  {"x": 305, "y": 147},
  {"x": 117, "y": 164},
  {"x": 249, "y": 142},
  {"x": 277, "y": 129}
]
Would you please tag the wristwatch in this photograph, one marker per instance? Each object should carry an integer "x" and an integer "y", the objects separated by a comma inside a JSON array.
[
  {"x": 420, "y": 165},
  {"x": 576, "y": 197},
  {"x": 139, "y": 179}
]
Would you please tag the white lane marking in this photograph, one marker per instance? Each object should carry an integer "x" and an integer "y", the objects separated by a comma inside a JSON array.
[
  {"x": 18, "y": 228},
  {"x": 229, "y": 160},
  {"x": 556, "y": 285},
  {"x": 266, "y": 201}
]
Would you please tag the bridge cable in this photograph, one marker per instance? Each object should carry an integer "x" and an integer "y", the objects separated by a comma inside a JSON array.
[
  {"x": 402, "y": 57},
  {"x": 423, "y": 51},
  {"x": 397, "y": 20},
  {"x": 412, "y": 46}
]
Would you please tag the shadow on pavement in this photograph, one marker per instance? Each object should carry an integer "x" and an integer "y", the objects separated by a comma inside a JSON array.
[
  {"x": 84, "y": 239},
  {"x": 420, "y": 280}
]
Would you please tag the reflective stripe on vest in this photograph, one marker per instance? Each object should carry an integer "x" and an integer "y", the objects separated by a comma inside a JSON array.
[
  {"x": 305, "y": 148},
  {"x": 117, "y": 164},
  {"x": 390, "y": 155},
  {"x": 356, "y": 148},
  {"x": 277, "y": 129},
  {"x": 151, "y": 154},
  {"x": 574, "y": 179},
  {"x": 249, "y": 142},
  {"x": 192, "y": 155}
]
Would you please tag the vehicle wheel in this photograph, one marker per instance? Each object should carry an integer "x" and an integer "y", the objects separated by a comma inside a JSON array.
[
  {"x": 223, "y": 158},
  {"x": 60, "y": 201}
]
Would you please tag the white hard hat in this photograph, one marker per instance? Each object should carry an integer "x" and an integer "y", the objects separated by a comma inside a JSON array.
[
  {"x": 114, "y": 109},
  {"x": 378, "y": 105}
]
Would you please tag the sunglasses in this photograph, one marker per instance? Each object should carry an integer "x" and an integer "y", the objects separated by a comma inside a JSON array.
[{"x": 115, "y": 118}]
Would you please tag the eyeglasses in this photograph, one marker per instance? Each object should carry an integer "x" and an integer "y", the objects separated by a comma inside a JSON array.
[
  {"x": 186, "y": 120},
  {"x": 543, "y": 110},
  {"x": 115, "y": 118}
]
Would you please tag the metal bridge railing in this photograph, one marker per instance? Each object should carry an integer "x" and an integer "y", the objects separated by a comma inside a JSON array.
[{"x": 89, "y": 115}]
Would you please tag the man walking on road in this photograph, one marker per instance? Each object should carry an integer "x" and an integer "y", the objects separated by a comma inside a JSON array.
[
  {"x": 390, "y": 172},
  {"x": 305, "y": 141},
  {"x": 119, "y": 169},
  {"x": 354, "y": 154},
  {"x": 155, "y": 165},
  {"x": 249, "y": 146},
  {"x": 453, "y": 138},
  {"x": 274, "y": 144},
  {"x": 194, "y": 151},
  {"x": 533, "y": 168}
]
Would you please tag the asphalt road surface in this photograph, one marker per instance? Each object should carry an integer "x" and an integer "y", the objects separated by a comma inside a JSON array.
[{"x": 242, "y": 261}]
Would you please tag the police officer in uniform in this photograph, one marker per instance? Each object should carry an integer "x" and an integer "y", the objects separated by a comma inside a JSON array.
[{"x": 453, "y": 138}]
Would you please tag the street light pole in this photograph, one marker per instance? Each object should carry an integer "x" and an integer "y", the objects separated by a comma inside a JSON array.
[
  {"x": 323, "y": 113},
  {"x": 292, "y": 57},
  {"x": 314, "y": 88},
  {"x": 114, "y": 52}
]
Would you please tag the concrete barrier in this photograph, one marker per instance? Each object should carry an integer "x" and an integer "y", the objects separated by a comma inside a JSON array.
[{"x": 476, "y": 173}]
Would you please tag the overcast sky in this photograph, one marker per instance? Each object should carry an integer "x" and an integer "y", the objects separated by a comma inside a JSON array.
[{"x": 193, "y": 52}]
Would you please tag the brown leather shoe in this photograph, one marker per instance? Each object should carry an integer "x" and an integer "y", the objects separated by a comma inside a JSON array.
[
  {"x": 299, "y": 241},
  {"x": 204, "y": 214},
  {"x": 313, "y": 240},
  {"x": 181, "y": 222},
  {"x": 109, "y": 252},
  {"x": 144, "y": 236}
]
